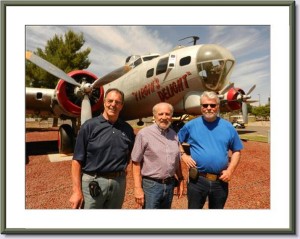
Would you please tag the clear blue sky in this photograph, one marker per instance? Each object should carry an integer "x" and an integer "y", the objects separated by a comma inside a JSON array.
[{"x": 110, "y": 45}]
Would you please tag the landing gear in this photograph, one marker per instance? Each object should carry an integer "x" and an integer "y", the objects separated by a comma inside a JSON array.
[
  {"x": 140, "y": 123},
  {"x": 66, "y": 139},
  {"x": 177, "y": 125}
]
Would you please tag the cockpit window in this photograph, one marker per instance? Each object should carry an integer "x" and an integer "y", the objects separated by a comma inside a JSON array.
[
  {"x": 132, "y": 58},
  {"x": 213, "y": 73},
  {"x": 185, "y": 61},
  {"x": 137, "y": 62},
  {"x": 148, "y": 58},
  {"x": 214, "y": 64},
  {"x": 162, "y": 66},
  {"x": 150, "y": 73},
  {"x": 133, "y": 61}
]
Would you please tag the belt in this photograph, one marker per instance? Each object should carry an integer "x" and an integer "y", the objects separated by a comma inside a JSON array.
[
  {"x": 209, "y": 176},
  {"x": 162, "y": 181},
  {"x": 106, "y": 174}
]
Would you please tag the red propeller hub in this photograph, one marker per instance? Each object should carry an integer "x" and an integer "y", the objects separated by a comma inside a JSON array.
[
  {"x": 70, "y": 100},
  {"x": 234, "y": 100}
]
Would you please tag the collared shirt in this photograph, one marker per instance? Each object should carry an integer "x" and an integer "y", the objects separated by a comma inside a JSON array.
[
  {"x": 102, "y": 146},
  {"x": 157, "y": 151}
]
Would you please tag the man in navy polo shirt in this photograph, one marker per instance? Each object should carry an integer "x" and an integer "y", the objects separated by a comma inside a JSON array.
[{"x": 101, "y": 155}]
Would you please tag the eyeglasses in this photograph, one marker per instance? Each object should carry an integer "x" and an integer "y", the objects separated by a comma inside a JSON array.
[
  {"x": 211, "y": 105},
  {"x": 116, "y": 102}
]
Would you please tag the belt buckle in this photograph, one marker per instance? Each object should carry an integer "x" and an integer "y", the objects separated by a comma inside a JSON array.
[
  {"x": 114, "y": 174},
  {"x": 166, "y": 180},
  {"x": 211, "y": 177},
  {"x": 110, "y": 175}
]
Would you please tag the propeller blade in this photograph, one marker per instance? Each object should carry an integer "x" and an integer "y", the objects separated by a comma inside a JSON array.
[
  {"x": 245, "y": 112},
  {"x": 251, "y": 101},
  {"x": 251, "y": 89},
  {"x": 97, "y": 83},
  {"x": 111, "y": 76},
  {"x": 86, "y": 110},
  {"x": 226, "y": 88},
  {"x": 47, "y": 66}
]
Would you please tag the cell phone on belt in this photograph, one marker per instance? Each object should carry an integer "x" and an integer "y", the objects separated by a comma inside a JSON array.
[
  {"x": 94, "y": 188},
  {"x": 193, "y": 174}
]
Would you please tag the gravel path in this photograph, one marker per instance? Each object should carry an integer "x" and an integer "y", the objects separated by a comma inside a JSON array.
[{"x": 48, "y": 184}]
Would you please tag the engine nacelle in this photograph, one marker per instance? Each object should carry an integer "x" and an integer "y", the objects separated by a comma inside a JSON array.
[
  {"x": 189, "y": 104},
  {"x": 233, "y": 99},
  {"x": 67, "y": 101}
]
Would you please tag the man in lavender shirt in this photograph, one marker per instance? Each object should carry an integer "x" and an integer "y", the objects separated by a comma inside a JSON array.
[{"x": 156, "y": 162}]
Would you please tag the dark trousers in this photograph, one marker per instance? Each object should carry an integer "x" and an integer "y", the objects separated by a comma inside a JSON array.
[{"x": 198, "y": 191}]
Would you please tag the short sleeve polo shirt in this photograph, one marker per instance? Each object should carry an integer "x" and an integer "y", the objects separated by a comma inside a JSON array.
[{"x": 102, "y": 146}]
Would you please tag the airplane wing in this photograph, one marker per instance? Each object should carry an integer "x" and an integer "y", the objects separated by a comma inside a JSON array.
[{"x": 38, "y": 101}]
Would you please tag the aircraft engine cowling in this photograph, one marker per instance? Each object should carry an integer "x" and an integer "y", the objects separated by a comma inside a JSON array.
[
  {"x": 69, "y": 97},
  {"x": 233, "y": 97}
]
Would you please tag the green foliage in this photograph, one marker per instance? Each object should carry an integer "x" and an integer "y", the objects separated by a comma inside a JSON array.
[
  {"x": 256, "y": 138},
  {"x": 63, "y": 52},
  {"x": 261, "y": 111}
]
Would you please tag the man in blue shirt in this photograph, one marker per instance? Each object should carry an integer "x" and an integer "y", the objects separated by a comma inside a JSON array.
[
  {"x": 101, "y": 155},
  {"x": 210, "y": 138}
]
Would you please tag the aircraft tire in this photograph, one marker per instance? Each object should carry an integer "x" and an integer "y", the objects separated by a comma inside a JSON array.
[
  {"x": 66, "y": 139},
  {"x": 177, "y": 125}
]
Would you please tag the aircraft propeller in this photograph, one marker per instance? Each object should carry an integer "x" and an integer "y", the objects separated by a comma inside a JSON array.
[
  {"x": 244, "y": 104},
  {"x": 244, "y": 100},
  {"x": 83, "y": 89},
  {"x": 225, "y": 90},
  {"x": 47, "y": 66},
  {"x": 86, "y": 112}
]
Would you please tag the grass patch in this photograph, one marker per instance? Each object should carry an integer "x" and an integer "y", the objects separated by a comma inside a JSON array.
[{"x": 257, "y": 138}]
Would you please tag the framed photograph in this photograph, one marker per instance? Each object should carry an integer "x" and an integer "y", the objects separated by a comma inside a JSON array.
[{"x": 154, "y": 26}]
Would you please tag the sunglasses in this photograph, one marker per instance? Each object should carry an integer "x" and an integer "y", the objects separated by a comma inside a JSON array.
[
  {"x": 211, "y": 105},
  {"x": 109, "y": 101}
]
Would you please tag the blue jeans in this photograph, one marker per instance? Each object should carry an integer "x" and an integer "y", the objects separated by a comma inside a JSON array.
[
  {"x": 198, "y": 191},
  {"x": 111, "y": 196},
  {"x": 157, "y": 195}
]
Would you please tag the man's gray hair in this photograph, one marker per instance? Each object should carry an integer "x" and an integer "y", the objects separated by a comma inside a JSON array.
[
  {"x": 154, "y": 109},
  {"x": 211, "y": 95}
]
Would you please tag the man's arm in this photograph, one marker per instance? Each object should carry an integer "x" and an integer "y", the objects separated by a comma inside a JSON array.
[
  {"x": 180, "y": 179},
  {"x": 77, "y": 196},
  {"x": 186, "y": 158},
  {"x": 137, "y": 178},
  {"x": 226, "y": 174}
]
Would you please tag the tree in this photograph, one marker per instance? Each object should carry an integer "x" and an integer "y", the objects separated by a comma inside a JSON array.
[
  {"x": 262, "y": 111},
  {"x": 62, "y": 52}
]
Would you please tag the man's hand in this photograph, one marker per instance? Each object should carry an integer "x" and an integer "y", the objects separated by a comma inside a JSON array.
[
  {"x": 226, "y": 175},
  {"x": 76, "y": 200},
  {"x": 139, "y": 196},
  {"x": 188, "y": 161},
  {"x": 180, "y": 188}
]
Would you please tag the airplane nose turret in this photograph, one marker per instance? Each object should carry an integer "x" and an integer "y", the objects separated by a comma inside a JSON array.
[{"x": 214, "y": 64}]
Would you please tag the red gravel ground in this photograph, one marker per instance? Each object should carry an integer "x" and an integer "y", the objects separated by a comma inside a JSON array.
[{"x": 49, "y": 186}]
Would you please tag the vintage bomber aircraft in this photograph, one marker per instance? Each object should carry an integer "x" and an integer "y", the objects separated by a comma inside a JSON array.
[{"x": 178, "y": 77}]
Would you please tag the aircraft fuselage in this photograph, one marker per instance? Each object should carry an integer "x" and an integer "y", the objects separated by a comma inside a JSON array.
[{"x": 178, "y": 78}]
